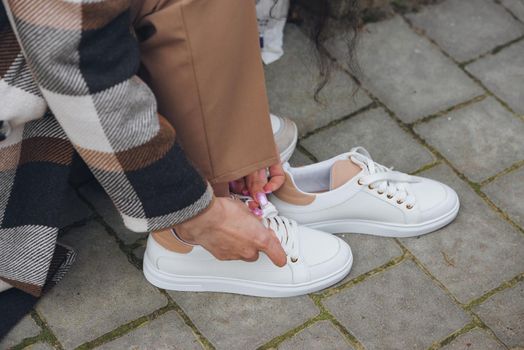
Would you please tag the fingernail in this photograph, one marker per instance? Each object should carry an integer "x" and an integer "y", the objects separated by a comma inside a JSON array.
[
  {"x": 268, "y": 192},
  {"x": 262, "y": 199},
  {"x": 257, "y": 212},
  {"x": 245, "y": 192}
]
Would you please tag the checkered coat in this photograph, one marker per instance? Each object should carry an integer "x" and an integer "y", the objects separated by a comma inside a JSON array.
[{"x": 69, "y": 91}]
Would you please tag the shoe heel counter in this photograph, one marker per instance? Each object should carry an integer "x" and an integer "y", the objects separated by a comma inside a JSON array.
[{"x": 290, "y": 194}]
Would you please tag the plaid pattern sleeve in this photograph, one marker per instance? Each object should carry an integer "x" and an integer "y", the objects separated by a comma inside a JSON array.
[{"x": 83, "y": 57}]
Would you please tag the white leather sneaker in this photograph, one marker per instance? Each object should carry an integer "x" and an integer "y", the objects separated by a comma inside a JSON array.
[
  {"x": 316, "y": 260},
  {"x": 285, "y": 133},
  {"x": 352, "y": 193}
]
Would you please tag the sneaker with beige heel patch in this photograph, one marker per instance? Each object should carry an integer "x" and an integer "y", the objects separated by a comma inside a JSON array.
[
  {"x": 352, "y": 193},
  {"x": 316, "y": 260}
]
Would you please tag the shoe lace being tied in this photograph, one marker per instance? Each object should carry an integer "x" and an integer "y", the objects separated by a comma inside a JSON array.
[
  {"x": 285, "y": 229},
  {"x": 382, "y": 178}
]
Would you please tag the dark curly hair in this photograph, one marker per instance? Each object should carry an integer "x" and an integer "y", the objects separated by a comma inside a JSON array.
[{"x": 320, "y": 25}]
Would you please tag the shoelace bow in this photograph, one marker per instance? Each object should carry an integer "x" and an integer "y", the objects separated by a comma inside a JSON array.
[
  {"x": 385, "y": 180},
  {"x": 285, "y": 229}
]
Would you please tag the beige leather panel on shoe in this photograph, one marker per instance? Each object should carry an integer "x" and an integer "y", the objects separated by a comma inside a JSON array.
[
  {"x": 290, "y": 194},
  {"x": 343, "y": 171},
  {"x": 171, "y": 242}
]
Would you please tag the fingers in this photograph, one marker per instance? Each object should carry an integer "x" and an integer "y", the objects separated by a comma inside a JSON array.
[
  {"x": 238, "y": 187},
  {"x": 273, "y": 249},
  {"x": 277, "y": 178},
  {"x": 255, "y": 184}
]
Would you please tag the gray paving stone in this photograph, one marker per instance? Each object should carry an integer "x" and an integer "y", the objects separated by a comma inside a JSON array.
[
  {"x": 480, "y": 140},
  {"x": 378, "y": 133},
  {"x": 474, "y": 340},
  {"x": 95, "y": 194},
  {"x": 239, "y": 322},
  {"x": 299, "y": 159},
  {"x": 406, "y": 72},
  {"x": 139, "y": 251},
  {"x": 101, "y": 291},
  {"x": 399, "y": 309},
  {"x": 291, "y": 84},
  {"x": 503, "y": 74},
  {"x": 166, "y": 332},
  {"x": 516, "y": 7},
  {"x": 465, "y": 29},
  {"x": 369, "y": 252},
  {"x": 320, "y": 336},
  {"x": 39, "y": 346},
  {"x": 507, "y": 192},
  {"x": 504, "y": 314},
  {"x": 475, "y": 253},
  {"x": 26, "y": 328}
]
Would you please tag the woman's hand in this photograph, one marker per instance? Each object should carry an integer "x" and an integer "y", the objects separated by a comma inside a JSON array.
[
  {"x": 258, "y": 184},
  {"x": 230, "y": 232}
]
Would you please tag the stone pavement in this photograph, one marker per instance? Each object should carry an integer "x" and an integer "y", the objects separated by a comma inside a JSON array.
[{"x": 442, "y": 95}]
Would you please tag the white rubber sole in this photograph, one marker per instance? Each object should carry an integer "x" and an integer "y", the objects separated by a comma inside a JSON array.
[
  {"x": 288, "y": 152},
  {"x": 236, "y": 286},
  {"x": 386, "y": 229}
]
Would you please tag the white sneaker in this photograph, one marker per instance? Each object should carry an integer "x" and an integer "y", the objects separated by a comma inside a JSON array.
[
  {"x": 352, "y": 193},
  {"x": 286, "y": 135},
  {"x": 316, "y": 260}
]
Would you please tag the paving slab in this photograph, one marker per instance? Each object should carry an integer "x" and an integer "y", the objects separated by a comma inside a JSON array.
[
  {"x": 369, "y": 252},
  {"x": 39, "y": 346},
  {"x": 504, "y": 314},
  {"x": 240, "y": 322},
  {"x": 466, "y": 29},
  {"x": 96, "y": 195},
  {"x": 474, "y": 340},
  {"x": 503, "y": 74},
  {"x": 507, "y": 192},
  {"x": 26, "y": 328},
  {"x": 481, "y": 139},
  {"x": 516, "y": 7},
  {"x": 406, "y": 72},
  {"x": 299, "y": 159},
  {"x": 475, "y": 253},
  {"x": 168, "y": 331},
  {"x": 378, "y": 133},
  {"x": 401, "y": 308},
  {"x": 292, "y": 81},
  {"x": 320, "y": 336},
  {"x": 101, "y": 292}
]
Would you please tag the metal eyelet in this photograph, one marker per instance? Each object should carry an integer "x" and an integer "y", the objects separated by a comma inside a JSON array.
[
  {"x": 380, "y": 192},
  {"x": 360, "y": 182},
  {"x": 409, "y": 206},
  {"x": 399, "y": 201},
  {"x": 371, "y": 187},
  {"x": 294, "y": 260},
  {"x": 390, "y": 196}
]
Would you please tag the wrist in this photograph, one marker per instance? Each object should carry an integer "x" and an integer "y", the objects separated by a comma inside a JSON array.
[{"x": 193, "y": 228}]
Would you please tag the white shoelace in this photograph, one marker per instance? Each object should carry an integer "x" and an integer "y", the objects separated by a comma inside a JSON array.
[
  {"x": 285, "y": 229},
  {"x": 384, "y": 179}
]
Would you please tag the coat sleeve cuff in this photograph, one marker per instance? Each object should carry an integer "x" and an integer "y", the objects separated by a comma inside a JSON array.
[{"x": 169, "y": 220}]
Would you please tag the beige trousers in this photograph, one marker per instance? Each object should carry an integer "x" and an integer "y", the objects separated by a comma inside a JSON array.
[{"x": 202, "y": 60}]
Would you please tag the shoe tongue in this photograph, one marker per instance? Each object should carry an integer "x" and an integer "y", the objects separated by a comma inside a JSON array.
[{"x": 341, "y": 172}]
